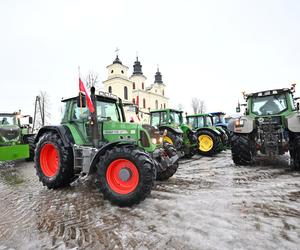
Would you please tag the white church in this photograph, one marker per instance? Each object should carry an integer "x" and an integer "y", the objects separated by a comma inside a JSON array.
[{"x": 133, "y": 89}]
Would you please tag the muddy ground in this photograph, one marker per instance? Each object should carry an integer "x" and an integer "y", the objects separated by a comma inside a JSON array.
[{"x": 208, "y": 204}]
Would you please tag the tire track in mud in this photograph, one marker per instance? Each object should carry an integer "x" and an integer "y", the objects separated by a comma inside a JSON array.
[{"x": 208, "y": 203}]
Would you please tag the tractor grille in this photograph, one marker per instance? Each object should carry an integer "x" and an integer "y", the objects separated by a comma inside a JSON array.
[{"x": 9, "y": 133}]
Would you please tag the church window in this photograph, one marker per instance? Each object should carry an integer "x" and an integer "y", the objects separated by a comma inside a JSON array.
[
  {"x": 133, "y": 85},
  {"x": 133, "y": 100},
  {"x": 142, "y": 85},
  {"x": 164, "y": 105},
  {"x": 125, "y": 93},
  {"x": 109, "y": 89},
  {"x": 156, "y": 104},
  {"x": 112, "y": 71},
  {"x": 122, "y": 71},
  {"x": 144, "y": 103},
  {"x": 163, "y": 92}
]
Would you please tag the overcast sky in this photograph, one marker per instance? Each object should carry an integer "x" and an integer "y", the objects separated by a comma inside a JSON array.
[{"x": 213, "y": 50}]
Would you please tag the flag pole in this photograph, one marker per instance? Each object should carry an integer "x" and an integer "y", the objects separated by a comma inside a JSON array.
[{"x": 80, "y": 95}]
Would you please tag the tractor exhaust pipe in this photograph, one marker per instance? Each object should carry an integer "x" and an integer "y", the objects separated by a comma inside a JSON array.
[{"x": 94, "y": 121}]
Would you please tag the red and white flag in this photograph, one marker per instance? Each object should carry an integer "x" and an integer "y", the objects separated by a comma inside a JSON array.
[{"x": 88, "y": 98}]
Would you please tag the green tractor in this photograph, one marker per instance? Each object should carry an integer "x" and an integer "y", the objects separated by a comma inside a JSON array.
[
  {"x": 175, "y": 132},
  {"x": 270, "y": 125},
  {"x": 211, "y": 140},
  {"x": 125, "y": 157},
  {"x": 16, "y": 141}
]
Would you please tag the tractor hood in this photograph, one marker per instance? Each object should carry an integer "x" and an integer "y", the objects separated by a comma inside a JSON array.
[{"x": 9, "y": 133}]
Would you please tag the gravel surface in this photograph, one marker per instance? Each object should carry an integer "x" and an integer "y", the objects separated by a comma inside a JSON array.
[{"x": 209, "y": 204}]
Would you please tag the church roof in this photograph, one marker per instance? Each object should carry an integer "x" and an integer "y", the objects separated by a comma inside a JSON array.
[{"x": 117, "y": 60}]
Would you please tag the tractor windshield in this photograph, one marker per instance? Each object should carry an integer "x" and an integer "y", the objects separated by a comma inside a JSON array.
[
  {"x": 7, "y": 120},
  {"x": 155, "y": 119},
  {"x": 218, "y": 118},
  {"x": 107, "y": 111},
  {"x": 269, "y": 105}
]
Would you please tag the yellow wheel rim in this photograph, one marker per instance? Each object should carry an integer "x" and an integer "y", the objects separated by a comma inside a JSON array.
[
  {"x": 205, "y": 143},
  {"x": 168, "y": 140}
]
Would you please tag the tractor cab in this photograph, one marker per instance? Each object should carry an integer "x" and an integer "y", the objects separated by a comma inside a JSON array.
[
  {"x": 219, "y": 119},
  {"x": 199, "y": 120},
  {"x": 166, "y": 117}
]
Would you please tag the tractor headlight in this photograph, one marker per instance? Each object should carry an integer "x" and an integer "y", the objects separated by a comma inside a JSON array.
[
  {"x": 160, "y": 140},
  {"x": 239, "y": 123},
  {"x": 154, "y": 141}
]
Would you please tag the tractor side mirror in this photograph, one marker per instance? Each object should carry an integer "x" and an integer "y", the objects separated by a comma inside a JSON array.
[
  {"x": 81, "y": 101},
  {"x": 30, "y": 119},
  {"x": 298, "y": 106},
  {"x": 238, "y": 109}
]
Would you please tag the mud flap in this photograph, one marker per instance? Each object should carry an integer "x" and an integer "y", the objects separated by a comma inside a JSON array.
[{"x": 14, "y": 152}]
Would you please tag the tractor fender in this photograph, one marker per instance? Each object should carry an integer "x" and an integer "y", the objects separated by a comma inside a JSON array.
[
  {"x": 293, "y": 122},
  {"x": 174, "y": 130},
  {"x": 247, "y": 127},
  {"x": 212, "y": 130},
  {"x": 106, "y": 147},
  {"x": 63, "y": 132}
]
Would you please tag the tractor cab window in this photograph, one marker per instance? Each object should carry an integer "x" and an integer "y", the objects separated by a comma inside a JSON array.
[
  {"x": 269, "y": 105},
  {"x": 80, "y": 113},
  {"x": 164, "y": 117},
  {"x": 155, "y": 119},
  {"x": 200, "y": 121},
  {"x": 7, "y": 120},
  {"x": 218, "y": 119},
  {"x": 175, "y": 118},
  {"x": 107, "y": 111},
  {"x": 192, "y": 121},
  {"x": 208, "y": 121}
]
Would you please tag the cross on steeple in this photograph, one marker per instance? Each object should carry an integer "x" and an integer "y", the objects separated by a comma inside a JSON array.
[{"x": 117, "y": 51}]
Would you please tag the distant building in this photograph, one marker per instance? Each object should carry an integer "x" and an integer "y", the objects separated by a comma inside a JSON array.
[{"x": 133, "y": 89}]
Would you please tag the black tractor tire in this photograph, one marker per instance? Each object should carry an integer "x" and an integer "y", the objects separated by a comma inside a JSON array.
[
  {"x": 241, "y": 149},
  {"x": 216, "y": 140},
  {"x": 53, "y": 161},
  {"x": 171, "y": 170},
  {"x": 294, "y": 148},
  {"x": 30, "y": 141},
  {"x": 141, "y": 165},
  {"x": 177, "y": 141}
]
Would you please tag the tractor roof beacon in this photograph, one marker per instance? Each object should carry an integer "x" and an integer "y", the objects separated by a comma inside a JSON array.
[
  {"x": 16, "y": 139},
  {"x": 270, "y": 124},
  {"x": 211, "y": 139},
  {"x": 123, "y": 156},
  {"x": 176, "y": 132}
]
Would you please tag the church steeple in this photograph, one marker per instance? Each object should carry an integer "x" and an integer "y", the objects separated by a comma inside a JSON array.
[
  {"x": 158, "y": 77},
  {"x": 137, "y": 67},
  {"x": 117, "y": 60}
]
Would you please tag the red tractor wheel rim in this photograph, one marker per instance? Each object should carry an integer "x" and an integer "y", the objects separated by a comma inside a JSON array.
[
  {"x": 122, "y": 176},
  {"x": 49, "y": 160}
]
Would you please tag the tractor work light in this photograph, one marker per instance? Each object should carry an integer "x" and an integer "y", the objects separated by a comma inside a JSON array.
[
  {"x": 154, "y": 141},
  {"x": 239, "y": 123}
]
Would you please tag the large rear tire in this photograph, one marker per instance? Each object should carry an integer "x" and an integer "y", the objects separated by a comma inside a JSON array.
[
  {"x": 53, "y": 161},
  {"x": 125, "y": 175},
  {"x": 209, "y": 144},
  {"x": 241, "y": 149},
  {"x": 294, "y": 148},
  {"x": 171, "y": 170}
]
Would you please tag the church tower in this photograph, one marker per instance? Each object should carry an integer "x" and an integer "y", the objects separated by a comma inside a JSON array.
[{"x": 117, "y": 82}]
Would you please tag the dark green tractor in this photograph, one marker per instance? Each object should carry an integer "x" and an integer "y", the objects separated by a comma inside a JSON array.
[
  {"x": 16, "y": 141},
  {"x": 125, "y": 157},
  {"x": 175, "y": 132},
  {"x": 211, "y": 140},
  {"x": 270, "y": 125}
]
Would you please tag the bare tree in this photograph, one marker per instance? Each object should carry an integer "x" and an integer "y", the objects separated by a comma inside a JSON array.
[
  {"x": 92, "y": 80},
  {"x": 41, "y": 110},
  {"x": 198, "y": 105},
  {"x": 180, "y": 106}
]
